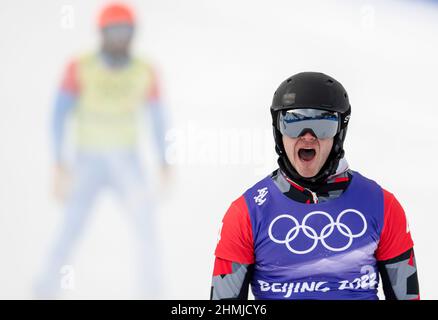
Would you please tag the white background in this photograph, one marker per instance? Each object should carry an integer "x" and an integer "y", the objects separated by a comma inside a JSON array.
[{"x": 220, "y": 62}]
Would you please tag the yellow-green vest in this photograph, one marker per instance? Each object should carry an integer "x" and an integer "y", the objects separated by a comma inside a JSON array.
[{"x": 109, "y": 103}]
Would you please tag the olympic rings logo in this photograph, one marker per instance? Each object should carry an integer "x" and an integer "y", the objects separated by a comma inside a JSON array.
[{"x": 311, "y": 233}]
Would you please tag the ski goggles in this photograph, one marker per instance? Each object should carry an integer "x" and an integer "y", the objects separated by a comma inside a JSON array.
[
  {"x": 296, "y": 122},
  {"x": 118, "y": 31}
]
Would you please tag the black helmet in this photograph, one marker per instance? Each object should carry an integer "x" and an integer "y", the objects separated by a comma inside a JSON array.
[{"x": 313, "y": 90}]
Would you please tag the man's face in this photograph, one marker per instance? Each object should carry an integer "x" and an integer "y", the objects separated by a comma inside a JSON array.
[
  {"x": 117, "y": 38},
  {"x": 307, "y": 153}
]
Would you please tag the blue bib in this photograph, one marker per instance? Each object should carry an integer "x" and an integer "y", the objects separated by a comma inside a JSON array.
[{"x": 316, "y": 251}]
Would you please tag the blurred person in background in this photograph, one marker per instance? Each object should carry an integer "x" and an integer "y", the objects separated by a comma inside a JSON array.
[{"x": 105, "y": 94}]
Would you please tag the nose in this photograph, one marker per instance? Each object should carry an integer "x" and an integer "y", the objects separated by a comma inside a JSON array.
[{"x": 308, "y": 137}]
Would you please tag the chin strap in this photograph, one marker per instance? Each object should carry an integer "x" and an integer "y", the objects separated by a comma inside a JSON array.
[{"x": 343, "y": 166}]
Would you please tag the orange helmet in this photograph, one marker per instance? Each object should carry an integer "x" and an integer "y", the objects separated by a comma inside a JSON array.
[{"x": 115, "y": 13}]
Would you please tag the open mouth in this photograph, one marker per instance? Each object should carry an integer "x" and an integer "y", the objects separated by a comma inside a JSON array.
[{"x": 306, "y": 154}]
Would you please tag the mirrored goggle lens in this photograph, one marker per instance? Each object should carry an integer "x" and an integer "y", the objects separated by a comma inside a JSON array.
[
  {"x": 118, "y": 31},
  {"x": 296, "y": 122}
]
